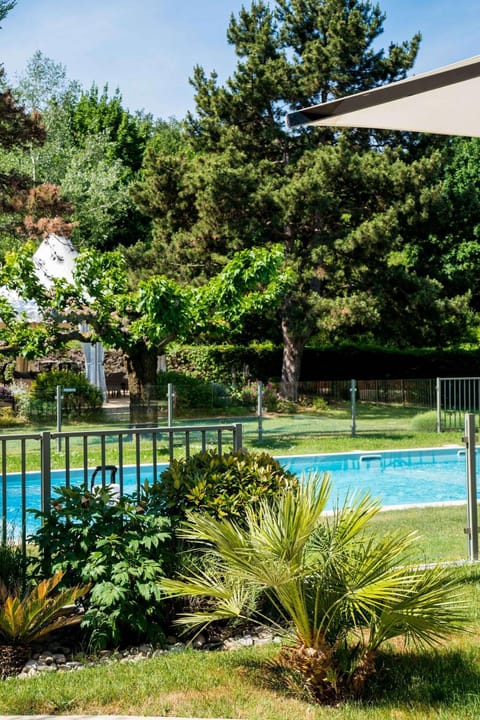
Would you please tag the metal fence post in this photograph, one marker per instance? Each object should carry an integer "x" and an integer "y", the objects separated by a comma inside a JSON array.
[
  {"x": 170, "y": 403},
  {"x": 260, "y": 409},
  {"x": 439, "y": 405},
  {"x": 46, "y": 471},
  {"x": 238, "y": 437},
  {"x": 472, "y": 513},
  {"x": 353, "y": 390},
  {"x": 59, "y": 416}
]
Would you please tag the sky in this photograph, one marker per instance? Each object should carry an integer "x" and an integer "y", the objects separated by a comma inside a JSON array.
[{"x": 148, "y": 48}]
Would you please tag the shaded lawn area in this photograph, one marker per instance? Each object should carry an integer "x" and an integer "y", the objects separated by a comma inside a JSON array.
[
  {"x": 439, "y": 683},
  {"x": 369, "y": 418}
]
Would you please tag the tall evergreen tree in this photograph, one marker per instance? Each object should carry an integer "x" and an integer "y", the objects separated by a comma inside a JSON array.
[
  {"x": 450, "y": 250},
  {"x": 244, "y": 179}
]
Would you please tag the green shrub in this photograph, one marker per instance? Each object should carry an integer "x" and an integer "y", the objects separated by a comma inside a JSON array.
[
  {"x": 247, "y": 395},
  {"x": 8, "y": 418},
  {"x": 226, "y": 364},
  {"x": 222, "y": 485},
  {"x": 425, "y": 422},
  {"x": 121, "y": 549},
  {"x": 317, "y": 403},
  {"x": 286, "y": 406},
  {"x": 190, "y": 392},
  {"x": 13, "y": 575},
  {"x": 44, "y": 390}
]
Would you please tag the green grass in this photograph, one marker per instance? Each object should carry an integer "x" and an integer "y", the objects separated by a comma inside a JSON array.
[
  {"x": 443, "y": 682},
  {"x": 440, "y": 529},
  {"x": 298, "y": 445},
  {"x": 378, "y": 427}
]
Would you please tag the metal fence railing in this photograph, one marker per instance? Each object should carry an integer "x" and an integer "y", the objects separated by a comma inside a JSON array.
[
  {"x": 419, "y": 392},
  {"x": 457, "y": 397},
  {"x": 32, "y": 464},
  {"x": 322, "y": 407}
]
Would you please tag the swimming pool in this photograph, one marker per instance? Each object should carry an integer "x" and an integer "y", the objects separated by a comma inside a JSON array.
[{"x": 397, "y": 478}]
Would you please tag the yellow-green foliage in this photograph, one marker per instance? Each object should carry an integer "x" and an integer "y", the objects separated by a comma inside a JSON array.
[
  {"x": 425, "y": 422},
  {"x": 223, "y": 485},
  {"x": 9, "y": 419},
  {"x": 31, "y": 618}
]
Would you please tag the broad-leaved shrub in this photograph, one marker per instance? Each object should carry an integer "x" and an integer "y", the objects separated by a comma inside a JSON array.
[
  {"x": 190, "y": 391},
  {"x": 43, "y": 390},
  {"x": 118, "y": 547},
  {"x": 222, "y": 485}
]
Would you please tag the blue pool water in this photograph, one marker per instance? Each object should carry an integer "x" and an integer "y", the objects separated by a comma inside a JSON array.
[{"x": 403, "y": 477}]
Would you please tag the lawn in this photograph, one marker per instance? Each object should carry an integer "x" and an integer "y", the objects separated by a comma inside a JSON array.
[
  {"x": 378, "y": 427},
  {"x": 440, "y": 683}
]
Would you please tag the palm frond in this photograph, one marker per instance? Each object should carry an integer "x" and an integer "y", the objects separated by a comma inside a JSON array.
[
  {"x": 430, "y": 610},
  {"x": 342, "y": 590}
]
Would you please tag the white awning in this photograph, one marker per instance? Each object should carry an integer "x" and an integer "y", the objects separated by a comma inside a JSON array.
[
  {"x": 444, "y": 101},
  {"x": 54, "y": 258}
]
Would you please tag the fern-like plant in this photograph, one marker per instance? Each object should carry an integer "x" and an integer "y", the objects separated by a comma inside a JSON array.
[{"x": 24, "y": 620}]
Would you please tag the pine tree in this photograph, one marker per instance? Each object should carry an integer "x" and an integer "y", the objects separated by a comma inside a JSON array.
[{"x": 330, "y": 200}]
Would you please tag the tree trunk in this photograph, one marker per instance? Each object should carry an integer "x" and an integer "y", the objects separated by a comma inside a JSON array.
[
  {"x": 141, "y": 366},
  {"x": 292, "y": 360},
  {"x": 12, "y": 659}
]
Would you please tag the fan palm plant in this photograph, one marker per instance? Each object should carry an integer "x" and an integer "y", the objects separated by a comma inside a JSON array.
[
  {"x": 28, "y": 619},
  {"x": 340, "y": 591}
]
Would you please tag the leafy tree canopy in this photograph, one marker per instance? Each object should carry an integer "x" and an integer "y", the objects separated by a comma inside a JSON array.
[
  {"x": 97, "y": 113},
  {"x": 100, "y": 305},
  {"x": 93, "y": 150},
  {"x": 24, "y": 209}
]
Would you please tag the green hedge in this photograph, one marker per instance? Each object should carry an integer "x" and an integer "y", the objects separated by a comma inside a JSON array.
[
  {"x": 190, "y": 391},
  {"x": 227, "y": 364},
  {"x": 376, "y": 363},
  {"x": 43, "y": 391},
  {"x": 230, "y": 364}
]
